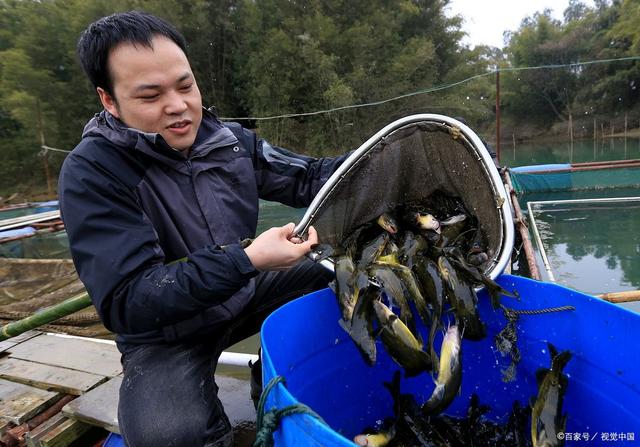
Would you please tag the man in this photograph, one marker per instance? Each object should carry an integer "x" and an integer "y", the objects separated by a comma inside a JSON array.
[{"x": 156, "y": 199}]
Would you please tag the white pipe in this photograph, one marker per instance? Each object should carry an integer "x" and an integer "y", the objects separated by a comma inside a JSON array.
[
  {"x": 23, "y": 221},
  {"x": 543, "y": 252},
  {"x": 237, "y": 358},
  {"x": 226, "y": 358}
]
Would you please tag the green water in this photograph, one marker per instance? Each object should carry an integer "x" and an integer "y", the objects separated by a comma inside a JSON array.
[
  {"x": 532, "y": 153},
  {"x": 593, "y": 247}
]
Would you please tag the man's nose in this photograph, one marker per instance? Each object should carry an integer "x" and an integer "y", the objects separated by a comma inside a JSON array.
[{"x": 175, "y": 104}]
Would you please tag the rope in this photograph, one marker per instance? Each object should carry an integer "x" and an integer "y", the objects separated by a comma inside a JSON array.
[
  {"x": 506, "y": 340},
  {"x": 49, "y": 148},
  {"x": 536, "y": 311},
  {"x": 267, "y": 422}
]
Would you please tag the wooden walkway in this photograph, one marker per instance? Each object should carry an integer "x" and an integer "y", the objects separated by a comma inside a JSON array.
[{"x": 55, "y": 390}]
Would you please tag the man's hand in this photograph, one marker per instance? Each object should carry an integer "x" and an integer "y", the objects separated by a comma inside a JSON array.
[{"x": 278, "y": 249}]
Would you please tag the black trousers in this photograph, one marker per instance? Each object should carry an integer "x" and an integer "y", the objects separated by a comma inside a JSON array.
[{"x": 168, "y": 395}]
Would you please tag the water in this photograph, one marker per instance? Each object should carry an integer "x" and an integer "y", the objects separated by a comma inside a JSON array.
[{"x": 593, "y": 247}]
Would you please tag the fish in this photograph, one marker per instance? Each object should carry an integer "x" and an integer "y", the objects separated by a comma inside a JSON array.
[
  {"x": 463, "y": 299},
  {"x": 449, "y": 374},
  {"x": 546, "y": 413},
  {"x": 411, "y": 245},
  {"x": 344, "y": 286},
  {"x": 413, "y": 288},
  {"x": 396, "y": 292},
  {"x": 400, "y": 343},
  {"x": 477, "y": 276},
  {"x": 380, "y": 439},
  {"x": 451, "y": 234},
  {"x": 453, "y": 220},
  {"x": 433, "y": 286},
  {"x": 360, "y": 328},
  {"x": 477, "y": 259},
  {"x": 427, "y": 222},
  {"x": 372, "y": 250},
  {"x": 388, "y": 222}
]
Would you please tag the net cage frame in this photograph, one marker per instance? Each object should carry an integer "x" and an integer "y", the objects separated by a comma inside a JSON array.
[
  {"x": 470, "y": 139},
  {"x": 538, "y": 206}
]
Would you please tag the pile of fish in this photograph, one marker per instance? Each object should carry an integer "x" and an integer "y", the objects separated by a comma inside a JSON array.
[
  {"x": 424, "y": 261},
  {"x": 409, "y": 427},
  {"x": 425, "y": 256}
]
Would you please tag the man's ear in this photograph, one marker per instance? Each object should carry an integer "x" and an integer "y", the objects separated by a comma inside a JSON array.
[{"x": 108, "y": 102}]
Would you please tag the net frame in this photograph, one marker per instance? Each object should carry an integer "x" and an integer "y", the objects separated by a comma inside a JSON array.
[{"x": 468, "y": 137}]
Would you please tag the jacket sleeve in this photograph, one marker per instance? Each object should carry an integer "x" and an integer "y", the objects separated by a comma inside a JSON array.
[
  {"x": 118, "y": 258},
  {"x": 283, "y": 176}
]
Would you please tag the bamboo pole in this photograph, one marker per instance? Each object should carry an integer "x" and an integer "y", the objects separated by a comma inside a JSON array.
[
  {"x": 621, "y": 297},
  {"x": 524, "y": 231},
  {"x": 45, "y": 316}
]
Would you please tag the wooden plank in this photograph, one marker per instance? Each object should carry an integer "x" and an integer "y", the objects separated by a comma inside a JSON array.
[
  {"x": 31, "y": 437},
  {"x": 97, "y": 407},
  {"x": 8, "y": 344},
  {"x": 83, "y": 355},
  {"x": 19, "y": 403},
  {"x": 62, "y": 433},
  {"x": 55, "y": 378}
]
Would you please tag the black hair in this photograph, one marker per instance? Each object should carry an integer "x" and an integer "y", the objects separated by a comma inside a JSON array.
[{"x": 103, "y": 35}]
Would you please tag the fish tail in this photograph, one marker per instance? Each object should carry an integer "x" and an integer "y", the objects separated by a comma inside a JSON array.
[{"x": 558, "y": 360}]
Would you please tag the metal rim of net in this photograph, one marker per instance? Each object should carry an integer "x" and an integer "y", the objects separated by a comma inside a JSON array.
[{"x": 473, "y": 141}]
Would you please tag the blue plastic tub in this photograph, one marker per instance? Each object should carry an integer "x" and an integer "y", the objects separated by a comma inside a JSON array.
[
  {"x": 114, "y": 440},
  {"x": 303, "y": 343}
]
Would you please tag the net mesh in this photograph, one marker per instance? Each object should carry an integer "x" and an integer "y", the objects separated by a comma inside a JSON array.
[{"x": 411, "y": 165}]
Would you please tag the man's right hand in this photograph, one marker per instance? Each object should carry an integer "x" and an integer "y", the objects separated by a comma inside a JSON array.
[{"x": 278, "y": 249}]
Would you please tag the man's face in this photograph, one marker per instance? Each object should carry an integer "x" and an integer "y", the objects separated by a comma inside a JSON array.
[{"x": 154, "y": 90}]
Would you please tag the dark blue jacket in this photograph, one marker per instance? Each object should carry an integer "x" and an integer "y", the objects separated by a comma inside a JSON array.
[{"x": 131, "y": 204}]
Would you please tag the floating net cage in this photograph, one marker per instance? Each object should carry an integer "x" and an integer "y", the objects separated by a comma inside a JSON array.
[
  {"x": 409, "y": 161},
  {"x": 577, "y": 236}
]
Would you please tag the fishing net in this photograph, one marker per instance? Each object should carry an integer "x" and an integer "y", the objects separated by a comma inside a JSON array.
[
  {"x": 44, "y": 245},
  {"x": 410, "y": 161},
  {"x": 30, "y": 285}
]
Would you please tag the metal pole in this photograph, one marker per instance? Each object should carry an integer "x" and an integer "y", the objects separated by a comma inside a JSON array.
[
  {"x": 498, "y": 113},
  {"x": 543, "y": 252},
  {"x": 45, "y": 157}
]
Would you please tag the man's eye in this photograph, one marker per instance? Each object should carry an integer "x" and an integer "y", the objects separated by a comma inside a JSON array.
[
  {"x": 186, "y": 88},
  {"x": 149, "y": 97}
]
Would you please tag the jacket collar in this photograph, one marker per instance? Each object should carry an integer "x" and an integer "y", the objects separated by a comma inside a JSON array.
[{"x": 211, "y": 135}]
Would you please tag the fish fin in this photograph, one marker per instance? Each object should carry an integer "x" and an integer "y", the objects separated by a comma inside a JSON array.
[
  {"x": 439, "y": 391},
  {"x": 563, "y": 422},
  {"x": 540, "y": 375},
  {"x": 362, "y": 280},
  {"x": 560, "y": 360},
  {"x": 344, "y": 325},
  {"x": 552, "y": 351}
]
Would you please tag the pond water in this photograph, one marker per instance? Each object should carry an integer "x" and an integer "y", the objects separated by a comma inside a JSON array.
[{"x": 592, "y": 246}]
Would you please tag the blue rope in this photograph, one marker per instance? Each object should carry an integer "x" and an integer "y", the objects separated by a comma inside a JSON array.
[{"x": 267, "y": 422}]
